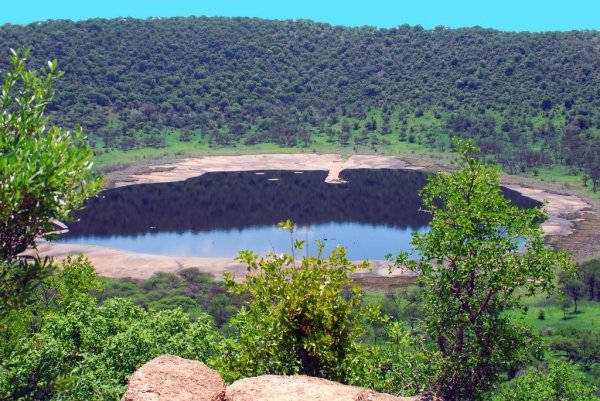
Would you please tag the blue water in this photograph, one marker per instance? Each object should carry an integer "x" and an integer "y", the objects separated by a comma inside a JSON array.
[
  {"x": 362, "y": 241},
  {"x": 219, "y": 214}
]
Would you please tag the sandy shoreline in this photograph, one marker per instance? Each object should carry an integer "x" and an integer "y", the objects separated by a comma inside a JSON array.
[
  {"x": 564, "y": 210},
  {"x": 194, "y": 167},
  {"x": 560, "y": 209}
]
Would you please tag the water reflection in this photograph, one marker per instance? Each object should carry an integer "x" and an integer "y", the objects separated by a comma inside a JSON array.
[{"x": 218, "y": 214}]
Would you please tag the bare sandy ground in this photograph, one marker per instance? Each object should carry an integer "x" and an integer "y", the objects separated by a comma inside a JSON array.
[
  {"x": 564, "y": 210},
  {"x": 194, "y": 167},
  {"x": 110, "y": 262}
]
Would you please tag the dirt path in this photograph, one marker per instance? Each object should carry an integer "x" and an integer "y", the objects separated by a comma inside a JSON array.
[{"x": 573, "y": 224}]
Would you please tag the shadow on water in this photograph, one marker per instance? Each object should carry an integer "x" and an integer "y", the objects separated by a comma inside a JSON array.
[{"x": 217, "y": 214}]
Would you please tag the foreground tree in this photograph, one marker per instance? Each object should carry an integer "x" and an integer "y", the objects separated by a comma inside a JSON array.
[
  {"x": 302, "y": 316},
  {"x": 57, "y": 342},
  {"x": 45, "y": 175},
  {"x": 481, "y": 255}
]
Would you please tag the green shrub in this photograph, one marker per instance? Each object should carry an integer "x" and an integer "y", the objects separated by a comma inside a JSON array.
[
  {"x": 303, "y": 316},
  {"x": 46, "y": 176},
  {"x": 189, "y": 289},
  {"x": 561, "y": 382},
  {"x": 67, "y": 347},
  {"x": 404, "y": 365}
]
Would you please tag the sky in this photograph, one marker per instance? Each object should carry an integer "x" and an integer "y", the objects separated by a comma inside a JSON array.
[{"x": 506, "y": 15}]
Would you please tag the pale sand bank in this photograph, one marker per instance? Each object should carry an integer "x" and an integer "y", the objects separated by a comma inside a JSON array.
[
  {"x": 110, "y": 262},
  {"x": 194, "y": 167},
  {"x": 117, "y": 263},
  {"x": 561, "y": 209}
]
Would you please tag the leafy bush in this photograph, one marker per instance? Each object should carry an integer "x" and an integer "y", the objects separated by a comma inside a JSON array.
[
  {"x": 189, "y": 289},
  {"x": 581, "y": 346},
  {"x": 404, "y": 365},
  {"x": 46, "y": 176},
  {"x": 542, "y": 315},
  {"x": 561, "y": 381},
  {"x": 70, "y": 348},
  {"x": 303, "y": 316}
]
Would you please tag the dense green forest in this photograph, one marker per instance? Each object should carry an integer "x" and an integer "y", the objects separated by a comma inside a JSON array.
[{"x": 529, "y": 99}]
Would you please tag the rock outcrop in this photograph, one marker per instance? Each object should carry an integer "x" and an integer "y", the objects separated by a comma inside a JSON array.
[
  {"x": 300, "y": 388},
  {"x": 170, "y": 378}
]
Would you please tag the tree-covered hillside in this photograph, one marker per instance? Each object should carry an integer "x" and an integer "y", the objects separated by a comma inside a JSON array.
[{"x": 529, "y": 99}]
